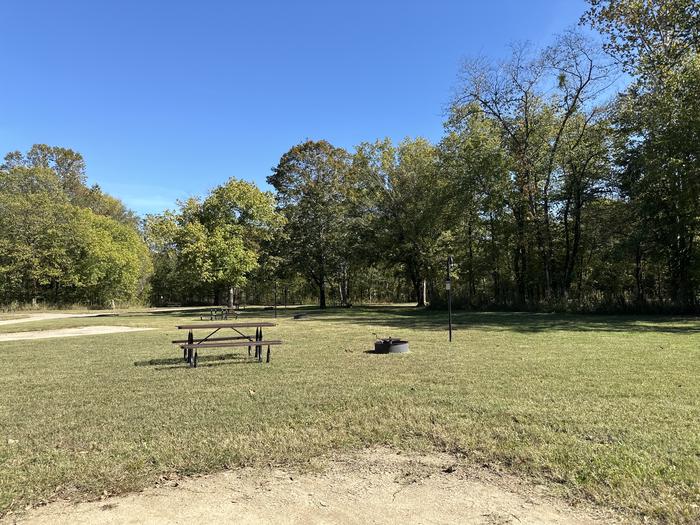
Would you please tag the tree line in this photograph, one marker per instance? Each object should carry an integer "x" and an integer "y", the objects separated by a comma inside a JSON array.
[
  {"x": 550, "y": 189},
  {"x": 62, "y": 242}
]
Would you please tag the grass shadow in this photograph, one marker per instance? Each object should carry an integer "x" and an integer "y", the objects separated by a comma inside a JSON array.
[
  {"x": 200, "y": 359},
  {"x": 224, "y": 360},
  {"x": 398, "y": 317},
  {"x": 376, "y": 352}
]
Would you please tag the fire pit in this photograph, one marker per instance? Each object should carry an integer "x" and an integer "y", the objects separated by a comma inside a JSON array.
[{"x": 390, "y": 345}]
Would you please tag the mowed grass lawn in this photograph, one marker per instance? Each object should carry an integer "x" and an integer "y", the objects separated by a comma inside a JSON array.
[{"x": 604, "y": 409}]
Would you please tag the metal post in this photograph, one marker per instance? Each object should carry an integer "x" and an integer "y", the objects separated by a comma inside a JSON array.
[
  {"x": 448, "y": 284},
  {"x": 275, "y": 305}
]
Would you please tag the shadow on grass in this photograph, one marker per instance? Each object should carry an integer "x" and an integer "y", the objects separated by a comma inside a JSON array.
[
  {"x": 203, "y": 360},
  {"x": 412, "y": 317},
  {"x": 227, "y": 360},
  {"x": 398, "y": 317},
  {"x": 375, "y": 352},
  {"x": 203, "y": 313},
  {"x": 199, "y": 314}
]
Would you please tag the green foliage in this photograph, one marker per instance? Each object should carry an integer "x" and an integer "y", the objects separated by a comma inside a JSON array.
[
  {"x": 476, "y": 168},
  {"x": 209, "y": 247},
  {"x": 315, "y": 190},
  {"x": 526, "y": 149},
  {"x": 409, "y": 194},
  {"x": 55, "y": 250},
  {"x": 647, "y": 36},
  {"x": 114, "y": 262},
  {"x": 658, "y": 118}
]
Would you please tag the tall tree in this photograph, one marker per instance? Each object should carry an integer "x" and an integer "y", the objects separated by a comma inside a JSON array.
[
  {"x": 535, "y": 98},
  {"x": 313, "y": 185},
  {"x": 476, "y": 168},
  {"x": 410, "y": 197},
  {"x": 658, "y": 119},
  {"x": 208, "y": 248}
]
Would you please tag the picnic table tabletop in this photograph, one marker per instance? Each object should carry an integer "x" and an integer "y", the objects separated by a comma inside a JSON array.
[{"x": 247, "y": 324}]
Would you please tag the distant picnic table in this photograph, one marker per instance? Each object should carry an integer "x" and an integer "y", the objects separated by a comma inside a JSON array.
[
  {"x": 220, "y": 312},
  {"x": 193, "y": 344}
]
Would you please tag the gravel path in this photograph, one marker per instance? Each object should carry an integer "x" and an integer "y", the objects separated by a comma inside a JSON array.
[
  {"x": 68, "y": 332},
  {"x": 49, "y": 316}
]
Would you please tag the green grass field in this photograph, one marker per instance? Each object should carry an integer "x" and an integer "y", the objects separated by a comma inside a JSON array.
[{"x": 604, "y": 409}]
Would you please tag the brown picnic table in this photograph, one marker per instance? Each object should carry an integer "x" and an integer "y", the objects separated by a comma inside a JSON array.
[
  {"x": 192, "y": 344},
  {"x": 220, "y": 313}
]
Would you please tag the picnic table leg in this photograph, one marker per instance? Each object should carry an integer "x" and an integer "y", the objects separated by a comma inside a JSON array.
[
  {"x": 268, "y": 353},
  {"x": 258, "y": 337},
  {"x": 256, "y": 346},
  {"x": 259, "y": 347},
  {"x": 186, "y": 352}
]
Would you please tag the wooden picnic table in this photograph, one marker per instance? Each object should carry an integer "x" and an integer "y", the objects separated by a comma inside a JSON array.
[{"x": 193, "y": 344}]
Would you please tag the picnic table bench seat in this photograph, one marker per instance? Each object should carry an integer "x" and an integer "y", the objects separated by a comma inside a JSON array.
[
  {"x": 231, "y": 338},
  {"x": 225, "y": 345}
]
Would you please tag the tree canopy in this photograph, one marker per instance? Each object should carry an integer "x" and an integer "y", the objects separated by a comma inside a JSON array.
[
  {"x": 206, "y": 250},
  {"x": 61, "y": 241}
]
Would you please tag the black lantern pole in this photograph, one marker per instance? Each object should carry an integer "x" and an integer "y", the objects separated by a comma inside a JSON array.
[{"x": 448, "y": 287}]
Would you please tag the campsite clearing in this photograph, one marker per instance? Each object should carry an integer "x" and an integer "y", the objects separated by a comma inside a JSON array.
[{"x": 602, "y": 410}]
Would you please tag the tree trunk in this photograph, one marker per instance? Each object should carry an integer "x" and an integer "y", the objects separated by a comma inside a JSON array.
[
  {"x": 420, "y": 291},
  {"x": 638, "y": 278},
  {"x": 520, "y": 256},
  {"x": 322, "y": 295},
  {"x": 347, "y": 289},
  {"x": 472, "y": 283},
  {"x": 418, "y": 285}
]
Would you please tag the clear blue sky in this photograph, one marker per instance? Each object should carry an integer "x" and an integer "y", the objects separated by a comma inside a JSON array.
[{"x": 167, "y": 99}]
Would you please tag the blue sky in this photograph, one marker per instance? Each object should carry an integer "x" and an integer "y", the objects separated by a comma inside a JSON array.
[{"x": 167, "y": 99}]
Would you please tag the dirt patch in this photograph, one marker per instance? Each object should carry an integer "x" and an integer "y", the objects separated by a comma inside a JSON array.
[
  {"x": 48, "y": 316},
  {"x": 377, "y": 486},
  {"x": 68, "y": 332}
]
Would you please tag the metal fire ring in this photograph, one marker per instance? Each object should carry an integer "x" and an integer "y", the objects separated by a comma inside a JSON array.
[{"x": 390, "y": 346}]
